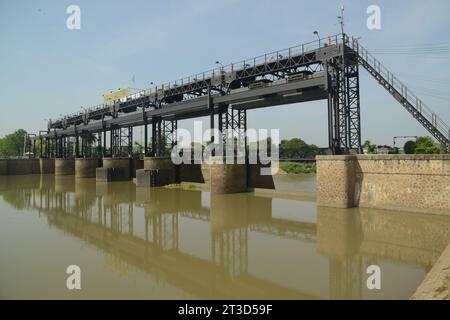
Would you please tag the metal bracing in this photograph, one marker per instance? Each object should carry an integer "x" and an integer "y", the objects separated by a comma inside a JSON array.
[
  {"x": 164, "y": 136},
  {"x": 344, "y": 121},
  {"x": 68, "y": 147},
  {"x": 29, "y": 149},
  {"x": 353, "y": 102},
  {"x": 43, "y": 145},
  {"x": 169, "y": 137},
  {"x": 122, "y": 142},
  {"x": 233, "y": 126}
]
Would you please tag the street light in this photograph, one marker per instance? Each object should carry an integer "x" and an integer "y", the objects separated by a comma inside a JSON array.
[
  {"x": 218, "y": 62},
  {"x": 318, "y": 37},
  {"x": 153, "y": 84},
  {"x": 317, "y": 34}
]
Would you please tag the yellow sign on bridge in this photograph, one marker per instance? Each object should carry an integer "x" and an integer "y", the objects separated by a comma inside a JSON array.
[{"x": 117, "y": 95}]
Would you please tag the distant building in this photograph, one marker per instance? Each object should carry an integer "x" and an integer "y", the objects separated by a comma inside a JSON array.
[
  {"x": 381, "y": 149},
  {"x": 384, "y": 149}
]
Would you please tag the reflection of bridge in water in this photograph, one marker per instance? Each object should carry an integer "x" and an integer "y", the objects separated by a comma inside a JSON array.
[{"x": 104, "y": 215}]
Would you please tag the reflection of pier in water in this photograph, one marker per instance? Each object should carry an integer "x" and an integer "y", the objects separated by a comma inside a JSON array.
[{"x": 102, "y": 214}]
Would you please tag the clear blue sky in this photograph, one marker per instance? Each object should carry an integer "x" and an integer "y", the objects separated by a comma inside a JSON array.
[{"x": 47, "y": 70}]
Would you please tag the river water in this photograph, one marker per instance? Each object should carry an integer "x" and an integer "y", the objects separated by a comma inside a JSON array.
[{"x": 139, "y": 243}]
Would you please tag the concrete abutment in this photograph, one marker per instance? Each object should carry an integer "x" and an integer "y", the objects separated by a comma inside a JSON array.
[{"x": 416, "y": 183}]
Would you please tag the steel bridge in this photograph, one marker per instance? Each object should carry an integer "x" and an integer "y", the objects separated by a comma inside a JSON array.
[{"x": 323, "y": 69}]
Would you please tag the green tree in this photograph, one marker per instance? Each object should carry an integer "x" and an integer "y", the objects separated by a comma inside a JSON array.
[
  {"x": 12, "y": 144},
  {"x": 138, "y": 148},
  {"x": 426, "y": 145},
  {"x": 371, "y": 148},
  {"x": 409, "y": 147},
  {"x": 297, "y": 148}
]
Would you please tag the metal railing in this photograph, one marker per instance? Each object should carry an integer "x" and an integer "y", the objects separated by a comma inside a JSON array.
[
  {"x": 220, "y": 71},
  {"x": 402, "y": 89}
]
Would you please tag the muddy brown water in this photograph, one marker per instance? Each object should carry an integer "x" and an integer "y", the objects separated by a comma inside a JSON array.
[{"x": 140, "y": 243}]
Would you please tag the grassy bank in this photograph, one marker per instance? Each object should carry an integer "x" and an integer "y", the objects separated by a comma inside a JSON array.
[{"x": 298, "y": 167}]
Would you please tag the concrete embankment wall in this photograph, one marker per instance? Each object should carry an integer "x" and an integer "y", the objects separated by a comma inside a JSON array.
[
  {"x": 19, "y": 166},
  {"x": 419, "y": 183},
  {"x": 3, "y": 167},
  {"x": 436, "y": 285}
]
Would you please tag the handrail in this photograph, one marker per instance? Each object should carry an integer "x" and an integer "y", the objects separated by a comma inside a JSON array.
[
  {"x": 270, "y": 57},
  {"x": 401, "y": 88}
]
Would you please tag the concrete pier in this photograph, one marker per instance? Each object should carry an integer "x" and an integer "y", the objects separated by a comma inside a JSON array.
[
  {"x": 228, "y": 178},
  {"x": 85, "y": 168},
  {"x": 114, "y": 169},
  {"x": 160, "y": 163},
  {"x": 157, "y": 172},
  {"x": 64, "y": 167},
  {"x": 47, "y": 166}
]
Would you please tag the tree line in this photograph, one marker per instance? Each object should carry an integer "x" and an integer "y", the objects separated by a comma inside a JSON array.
[{"x": 12, "y": 145}]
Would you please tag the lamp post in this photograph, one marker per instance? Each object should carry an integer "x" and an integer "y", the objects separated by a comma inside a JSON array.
[{"x": 318, "y": 37}]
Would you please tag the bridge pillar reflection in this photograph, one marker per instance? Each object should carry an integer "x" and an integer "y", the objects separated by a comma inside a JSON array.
[
  {"x": 161, "y": 218},
  {"x": 339, "y": 235},
  {"x": 229, "y": 233}
]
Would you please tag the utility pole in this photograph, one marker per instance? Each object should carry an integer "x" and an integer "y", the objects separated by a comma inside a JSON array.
[{"x": 341, "y": 19}]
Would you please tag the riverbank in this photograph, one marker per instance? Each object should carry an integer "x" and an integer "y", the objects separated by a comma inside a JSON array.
[
  {"x": 297, "y": 167},
  {"x": 436, "y": 285}
]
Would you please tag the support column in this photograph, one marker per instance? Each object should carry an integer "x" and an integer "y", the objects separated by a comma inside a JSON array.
[
  {"x": 104, "y": 143},
  {"x": 99, "y": 144},
  {"x": 77, "y": 145},
  {"x": 211, "y": 118},
  {"x": 344, "y": 128},
  {"x": 145, "y": 138}
]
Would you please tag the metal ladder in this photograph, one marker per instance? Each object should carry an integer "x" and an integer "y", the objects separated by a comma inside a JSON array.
[{"x": 419, "y": 110}]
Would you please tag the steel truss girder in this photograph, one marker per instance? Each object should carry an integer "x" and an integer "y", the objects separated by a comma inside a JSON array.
[{"x": 240, "y": 75}]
